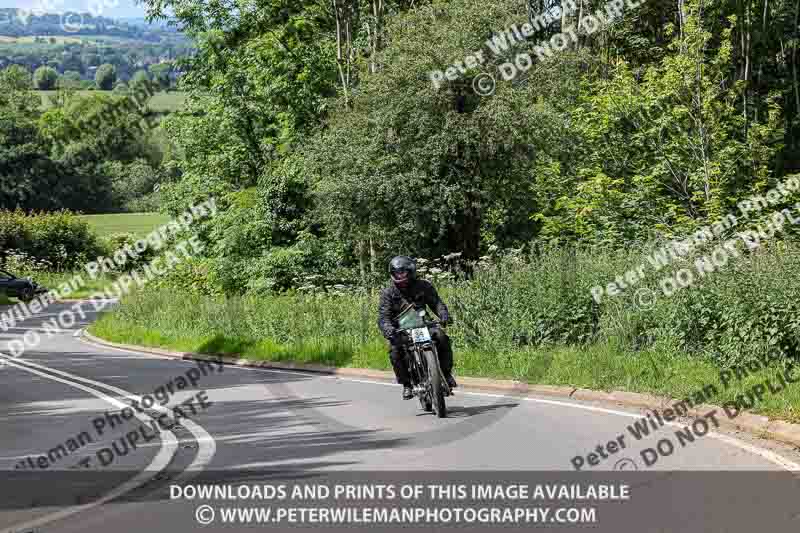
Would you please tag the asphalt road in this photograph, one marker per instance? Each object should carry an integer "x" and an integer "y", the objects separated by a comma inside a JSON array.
[{"x": 61, "y": 470}]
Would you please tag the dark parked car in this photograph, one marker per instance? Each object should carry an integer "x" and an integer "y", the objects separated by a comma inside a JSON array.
[{"x": 22, "y": 288}]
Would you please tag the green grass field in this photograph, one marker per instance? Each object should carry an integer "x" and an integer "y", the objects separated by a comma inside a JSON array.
[
  {"x": 162, "y": 102},
  {"x": 31, "y": 39},
  {"x": 69, "y": 39},
  {"x": 167, "y": 102},
  {"x": 140, "y": 224}
]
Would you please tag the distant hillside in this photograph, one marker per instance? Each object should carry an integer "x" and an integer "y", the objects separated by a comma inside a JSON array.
[
  {"x": 77, "y": 45},
  {"x": 141, "y": 21},
  {"x": 17, "y": 22}
]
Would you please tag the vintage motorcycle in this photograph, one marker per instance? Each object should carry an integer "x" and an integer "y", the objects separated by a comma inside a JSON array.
[{"x": 427, "y": 379}]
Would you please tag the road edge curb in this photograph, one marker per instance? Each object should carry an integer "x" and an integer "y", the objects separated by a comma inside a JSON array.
[{"x": 757, "y": 425}]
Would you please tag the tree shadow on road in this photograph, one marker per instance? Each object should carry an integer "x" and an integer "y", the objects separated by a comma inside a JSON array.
[{"x": 333, "y": 354}]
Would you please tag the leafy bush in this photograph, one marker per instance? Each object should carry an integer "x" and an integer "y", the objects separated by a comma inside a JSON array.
[
  {"x": 118, "y": 241},
  {"x": 746, "y": 309},
  {"x": 22, "y": 264},
  {"x": 147, "y": 203},
  {"x": 193, "y": 277},
  {"x": 514, "y": 301},
  {"x": 61, "y": 238},
  {"x": 105, "y": 77},
  {"x": 750, "y": 309},
  {"x": 132, "y": 182},
  {"x": 276, "y": 270},
  {"x": 45, "y": 78}
]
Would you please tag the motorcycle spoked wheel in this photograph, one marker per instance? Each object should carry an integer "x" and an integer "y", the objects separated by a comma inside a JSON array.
[
  {"x": 436, "y": 383},
  {"x": 425, "y": 402},
  {"x": 424, "y": 398}
]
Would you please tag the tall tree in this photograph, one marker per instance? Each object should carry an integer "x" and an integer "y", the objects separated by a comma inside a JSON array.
[
  {"x": 45, "y": 78},
  {"x": 105, "y": 77}
]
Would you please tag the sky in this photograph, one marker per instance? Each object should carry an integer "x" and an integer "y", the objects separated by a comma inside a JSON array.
[{"x": 104, "y": 8}]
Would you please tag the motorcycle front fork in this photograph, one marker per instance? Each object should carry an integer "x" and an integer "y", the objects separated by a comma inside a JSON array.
[{"x": 418, "y": 387}]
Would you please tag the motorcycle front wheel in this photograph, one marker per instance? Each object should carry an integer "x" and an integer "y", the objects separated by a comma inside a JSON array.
[
  {"x": 418, "y": 372},
  {"x": 425, "y": 402},
  {"x": 437, "y": 387}
]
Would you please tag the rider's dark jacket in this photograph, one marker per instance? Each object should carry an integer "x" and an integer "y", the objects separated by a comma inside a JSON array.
[{"x": 420, "y": 293}]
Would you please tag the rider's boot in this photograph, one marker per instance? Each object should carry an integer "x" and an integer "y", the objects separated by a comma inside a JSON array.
[
  {"x": 408, "y": 392},
  {"x": 451, "y": 381}
]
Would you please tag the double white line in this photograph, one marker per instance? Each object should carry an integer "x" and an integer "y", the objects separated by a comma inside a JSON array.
[{"x": 169, "y": 442}]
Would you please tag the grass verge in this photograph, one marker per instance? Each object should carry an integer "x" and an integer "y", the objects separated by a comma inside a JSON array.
[{"x": 341, "y": 332}]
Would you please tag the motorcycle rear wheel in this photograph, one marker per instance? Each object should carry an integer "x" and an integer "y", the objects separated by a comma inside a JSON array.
[{"x": 437, "y": 387}]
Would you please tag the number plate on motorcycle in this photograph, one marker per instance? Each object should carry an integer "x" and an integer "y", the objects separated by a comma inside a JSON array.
[{"x": 421, "y": 335}]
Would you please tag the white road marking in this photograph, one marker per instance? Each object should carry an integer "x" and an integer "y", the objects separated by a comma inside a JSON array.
[
  {"x": 761, "y": 452},
  {"x": 160, "y": 461},
  {"x": 207, "y": 446},
  {"x": 50, "y": 332}
]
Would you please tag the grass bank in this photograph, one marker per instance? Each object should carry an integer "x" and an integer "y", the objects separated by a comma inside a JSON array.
[{"x": 341, "y": 331}]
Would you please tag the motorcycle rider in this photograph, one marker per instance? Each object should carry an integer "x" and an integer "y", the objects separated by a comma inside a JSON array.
[{"x": 406, "y": 289}]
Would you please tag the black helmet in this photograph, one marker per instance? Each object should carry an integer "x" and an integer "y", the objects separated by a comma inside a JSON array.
[{"x": 403, "y": 270}]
